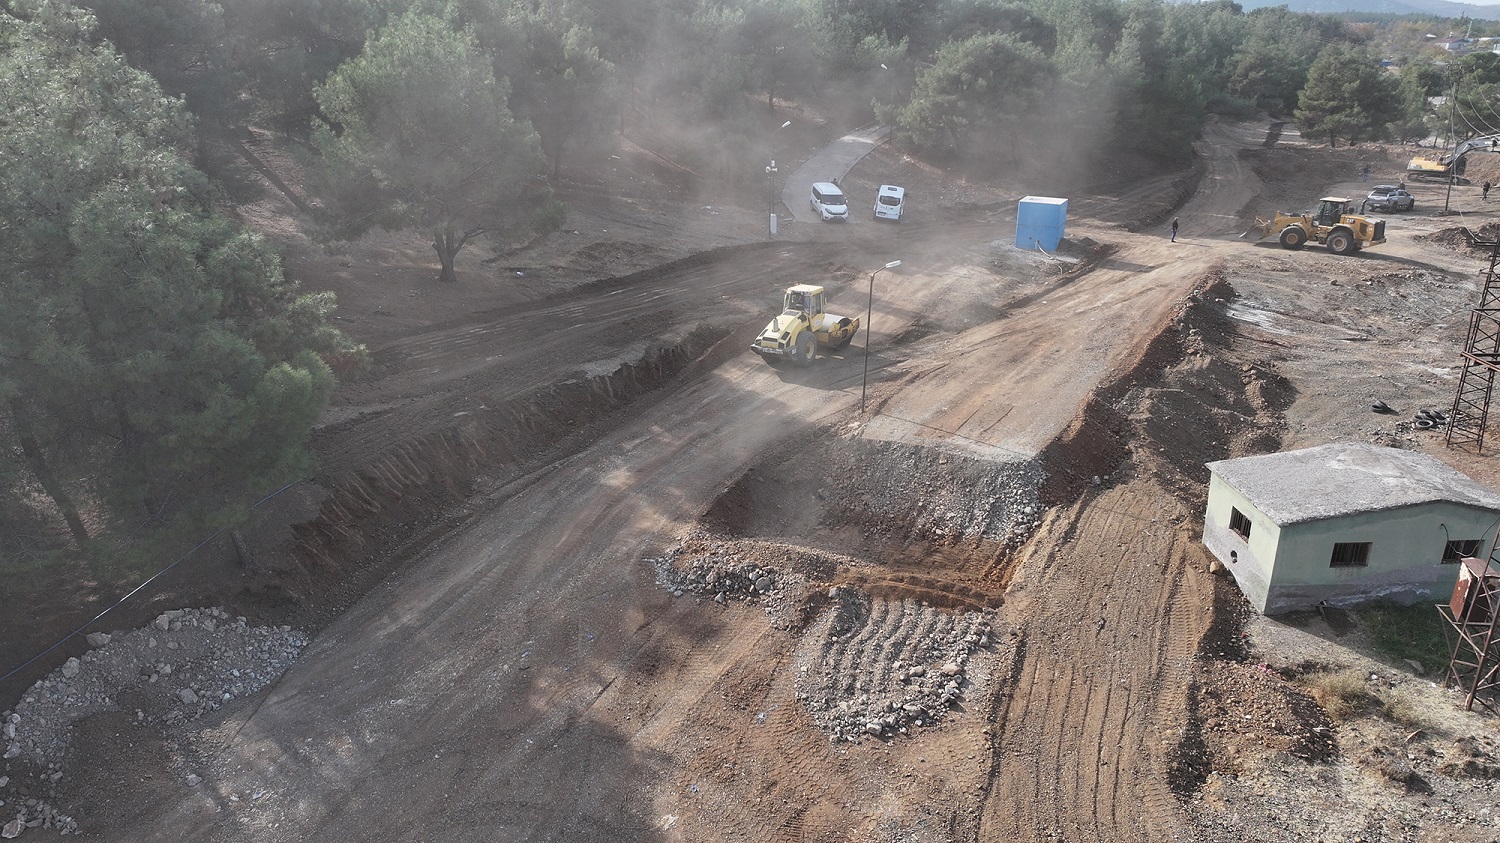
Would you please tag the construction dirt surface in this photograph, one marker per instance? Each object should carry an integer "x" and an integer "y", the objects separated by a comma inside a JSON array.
[{"x": 577, "y": 566}]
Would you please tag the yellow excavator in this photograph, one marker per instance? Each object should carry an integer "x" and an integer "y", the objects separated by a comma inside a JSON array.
[
  {"x": 803, "y": 326},
  {"x": 1331, "y": 224},
  {"x": 1424, "y": 168}
]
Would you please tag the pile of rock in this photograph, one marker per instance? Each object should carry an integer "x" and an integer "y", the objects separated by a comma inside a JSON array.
[
  {"x": 905, "y": 667},
  {"x": 30, "y": 812},
  {"x": 186, "y": 663},
  {"x": 732, "y": 576},
  {"x": 1025, "y": 521},
  {"x": 724, "y": 579}
]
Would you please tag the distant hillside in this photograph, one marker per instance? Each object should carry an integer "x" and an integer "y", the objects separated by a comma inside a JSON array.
[{"x": 1441, "y": 8}]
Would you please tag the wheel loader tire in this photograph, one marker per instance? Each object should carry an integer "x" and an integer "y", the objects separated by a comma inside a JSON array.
[
  {"x": 807, "y": 350},
  {"x": 1293, "y": 237},
  {"x": 1340, "y": 243}
]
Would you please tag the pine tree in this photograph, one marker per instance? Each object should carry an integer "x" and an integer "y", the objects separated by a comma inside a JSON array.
[{"x": 158, "y": 364}]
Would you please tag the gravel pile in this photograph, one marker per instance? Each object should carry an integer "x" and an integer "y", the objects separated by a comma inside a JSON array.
[
  {"x": 740, "y": 571},
  {"x": 30, "y": 812},
  {"x": 877, "y": 668},
  {"x": 186, "y": 663},
  {"x": 933, "y": 493},
  {"x": 867, "y": 668}
]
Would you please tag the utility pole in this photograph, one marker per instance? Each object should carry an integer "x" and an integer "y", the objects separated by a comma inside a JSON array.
[{"x": 1452, "y": 136}]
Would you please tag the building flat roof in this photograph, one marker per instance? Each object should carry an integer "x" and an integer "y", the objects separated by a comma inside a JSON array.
[{"x": 1347, "y": 477}]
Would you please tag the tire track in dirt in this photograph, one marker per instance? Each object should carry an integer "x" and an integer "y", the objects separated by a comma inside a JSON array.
[
  {"x": 760, "y": 766},
  {"x": 1103, "y": 677},
  {"x": 522, "y": 578}
]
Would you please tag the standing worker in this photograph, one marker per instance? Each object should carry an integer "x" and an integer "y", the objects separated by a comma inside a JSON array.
[
  {"x": 1174, "y": 229},
  {"x": 1364, "y": 173},
  {"x": 1484, "y": 192}
]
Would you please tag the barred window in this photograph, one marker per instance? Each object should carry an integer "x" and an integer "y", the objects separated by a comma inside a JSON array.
[
  {"x": 1238, "y": 523},
  {"x": 1456, "y": 550},
  {"x": 1350, "y": 555}
]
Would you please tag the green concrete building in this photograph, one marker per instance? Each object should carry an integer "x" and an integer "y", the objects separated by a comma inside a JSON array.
[{"x": 1345, "y": 523}]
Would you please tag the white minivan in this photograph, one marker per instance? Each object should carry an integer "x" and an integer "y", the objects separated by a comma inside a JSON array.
[
  {"x": 829, "y": 202},
  {"x": 890, "y": 202}
]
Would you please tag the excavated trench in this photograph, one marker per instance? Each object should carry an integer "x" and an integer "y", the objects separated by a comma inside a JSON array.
[{"x": 373, "y": 520}]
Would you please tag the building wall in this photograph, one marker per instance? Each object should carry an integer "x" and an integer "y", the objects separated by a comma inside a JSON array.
[
  {"x": 1249, "y": 561},
  {"x": 1405, "y": 559},
  {"x": 1284, "y": 569}
]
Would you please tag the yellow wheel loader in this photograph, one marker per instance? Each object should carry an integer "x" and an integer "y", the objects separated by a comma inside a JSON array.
[
  {"x": 803, "y": 326},
  {"x": 1333, "y": 224}
]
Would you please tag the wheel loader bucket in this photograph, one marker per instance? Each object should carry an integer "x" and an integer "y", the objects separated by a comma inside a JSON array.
[{"x": 1261, "y": 229}]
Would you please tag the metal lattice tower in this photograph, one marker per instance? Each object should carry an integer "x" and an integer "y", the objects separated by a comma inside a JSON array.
[
  {"x": 1481, "y": 360},
  {"x": 1472, "y": 615}
]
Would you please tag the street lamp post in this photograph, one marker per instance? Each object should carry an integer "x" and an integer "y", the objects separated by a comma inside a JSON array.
[
  {"x": 771, "y": 176},
  {"x": 869, "y": 313}
]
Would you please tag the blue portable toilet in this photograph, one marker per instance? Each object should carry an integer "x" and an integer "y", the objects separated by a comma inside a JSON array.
[{"x": 1040, "y": 221}]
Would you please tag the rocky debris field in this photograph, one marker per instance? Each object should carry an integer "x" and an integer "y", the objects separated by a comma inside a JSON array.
[
  {"x": 1400, "y": 766},
  {"x": 878, "y": 668},
  {"x": 939, "y": 493},
  {"x": 773, "y": 576},
  {"x": 922, "y": 493},
  {"x": 185, "y": 664},
  {"x": 867, "y": 667}
]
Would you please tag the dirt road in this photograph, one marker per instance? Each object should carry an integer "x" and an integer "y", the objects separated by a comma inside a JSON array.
[{"x": 527, "y": 679}]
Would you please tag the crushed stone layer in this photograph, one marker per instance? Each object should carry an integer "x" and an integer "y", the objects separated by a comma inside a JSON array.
[
  {"x": 185, "y": 664},
  {"x": 866, "y": 667}
]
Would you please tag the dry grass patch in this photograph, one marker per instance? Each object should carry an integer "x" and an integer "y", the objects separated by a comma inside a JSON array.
[{"x": 1343, "y": 694}]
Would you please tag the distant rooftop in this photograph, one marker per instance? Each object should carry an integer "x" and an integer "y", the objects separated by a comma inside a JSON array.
[{"x": 1344, "y": 478}]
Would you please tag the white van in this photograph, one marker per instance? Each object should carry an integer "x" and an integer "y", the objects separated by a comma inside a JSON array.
[
  {"x": 890, "y": 202},
  {"x": 829, "y": 202}
]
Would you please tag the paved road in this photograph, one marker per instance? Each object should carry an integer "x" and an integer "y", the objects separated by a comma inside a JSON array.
[{"x": 830, "y": 163}]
